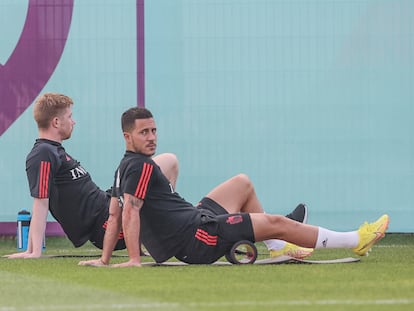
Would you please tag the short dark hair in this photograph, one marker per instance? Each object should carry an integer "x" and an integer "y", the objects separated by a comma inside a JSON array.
[{"x": 132, "y": 114}]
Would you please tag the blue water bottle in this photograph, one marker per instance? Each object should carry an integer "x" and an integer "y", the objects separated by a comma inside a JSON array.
[{"x": 23, "y": 224}]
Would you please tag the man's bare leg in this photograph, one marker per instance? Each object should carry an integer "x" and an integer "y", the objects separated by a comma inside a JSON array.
[
  {"x": 238, "y": 195},
  {"x": 279, "y": 227},
  {"x": 361, "y": 240}
]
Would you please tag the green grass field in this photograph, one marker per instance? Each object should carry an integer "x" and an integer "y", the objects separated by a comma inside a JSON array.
[{"x": 382, "y": 281}]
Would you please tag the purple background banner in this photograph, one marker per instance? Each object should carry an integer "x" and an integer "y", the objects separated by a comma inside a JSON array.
[
  {"x": 35, "y": 57},
  {"x": 101, "y": 61},
  {"x": 140, "y": 54}
]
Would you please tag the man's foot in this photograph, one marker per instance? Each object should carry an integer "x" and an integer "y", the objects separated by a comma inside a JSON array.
[
  {"x": 369, "y": 234},
  {"x": 300, "y": 214},
  {"x": 292, "y": 250}
]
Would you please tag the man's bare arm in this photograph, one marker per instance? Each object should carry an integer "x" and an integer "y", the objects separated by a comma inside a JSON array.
[
  {"x": 131, "y": 228},
  {"x": 111, "y": 236},
  {"x": 36, "y": 231}
]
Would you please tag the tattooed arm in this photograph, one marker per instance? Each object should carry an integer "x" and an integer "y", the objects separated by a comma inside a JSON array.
[{"x": 131, "y": 228}]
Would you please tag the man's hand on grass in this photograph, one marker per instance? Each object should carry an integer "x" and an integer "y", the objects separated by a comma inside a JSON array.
[
  {"x": 130, "y": 263},
  {"x": 93, "y": 263},
  {"x": 26, "y": 254}
]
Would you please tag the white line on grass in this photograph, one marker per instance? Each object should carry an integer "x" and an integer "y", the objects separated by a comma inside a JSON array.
[
  {"x": 393, "y": 246},
  {"x": 144, "y": 305},
  {"x": 307, "y": 302},
  {"x": 159, "y": 305}
]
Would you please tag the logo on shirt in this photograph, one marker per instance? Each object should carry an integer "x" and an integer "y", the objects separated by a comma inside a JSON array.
[
  {"x": 235, "y": 219},
  {"x": 78, "y": 172}
]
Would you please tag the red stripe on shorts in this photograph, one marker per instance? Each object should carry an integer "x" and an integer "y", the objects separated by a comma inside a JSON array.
[{"x": 206, "y": 238}]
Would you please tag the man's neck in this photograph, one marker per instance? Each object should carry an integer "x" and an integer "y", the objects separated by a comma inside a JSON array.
[{"x": 50, "y": 136}]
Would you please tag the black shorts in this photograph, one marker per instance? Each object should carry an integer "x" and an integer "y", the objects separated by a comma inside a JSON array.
[
  {"x": 98, "y": 233},
  {"x": 216, "y": 233}
]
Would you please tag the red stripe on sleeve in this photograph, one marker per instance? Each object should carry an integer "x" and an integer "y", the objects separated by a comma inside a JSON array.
[
  {"x": 44, "y": 179},
  {"x": 40, "y": 195},
  {"x": 142, "y": 186}
]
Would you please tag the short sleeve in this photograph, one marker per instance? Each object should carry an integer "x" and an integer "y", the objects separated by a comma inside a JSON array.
[
  {"x": 137, "y": 181},
  {"x": 40, "y": 169}
]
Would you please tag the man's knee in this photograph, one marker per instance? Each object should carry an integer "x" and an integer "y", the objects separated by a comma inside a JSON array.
[
  {"x": 244, "y": 180},
  {"x": 173, "y": 160},
  {"x": 168, "y": 162},
  {"x": 276, "y": 220}
]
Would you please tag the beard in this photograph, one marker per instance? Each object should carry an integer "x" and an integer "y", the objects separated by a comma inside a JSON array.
[
  {"x": 66, "y": 134},
  {"x": 148, "y": 150}
]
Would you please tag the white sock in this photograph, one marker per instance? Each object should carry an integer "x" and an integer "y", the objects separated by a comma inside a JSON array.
[
  {"x": 332, "y": 239},
  {"x": 274, "y": 244}
]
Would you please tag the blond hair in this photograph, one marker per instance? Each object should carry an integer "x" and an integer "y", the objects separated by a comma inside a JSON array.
[{"x": 49, "y": 106}]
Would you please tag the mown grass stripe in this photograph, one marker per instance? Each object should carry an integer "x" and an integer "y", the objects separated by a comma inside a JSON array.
[{"x": 158, "y": 305}]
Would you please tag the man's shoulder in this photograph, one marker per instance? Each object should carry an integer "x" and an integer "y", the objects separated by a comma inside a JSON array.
[
  {"x": 45, "y": 144},
  {"x": 137, "y": 158},
  {"x": 135, "y": 162},
  {"x": 44, "y": 149}
]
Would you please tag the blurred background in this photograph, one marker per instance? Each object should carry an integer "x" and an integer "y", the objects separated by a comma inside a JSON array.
[{"x": 312, "y": 99}]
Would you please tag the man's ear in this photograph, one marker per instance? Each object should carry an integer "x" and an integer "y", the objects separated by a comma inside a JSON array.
[
  {"x": 127, "y": 136},
  {"x": 55, "y": 122}
]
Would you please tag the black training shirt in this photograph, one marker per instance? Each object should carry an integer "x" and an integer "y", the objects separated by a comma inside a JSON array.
[
  {"x": 75, "y": 201},
  {"x": 166, "y": 218}
]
